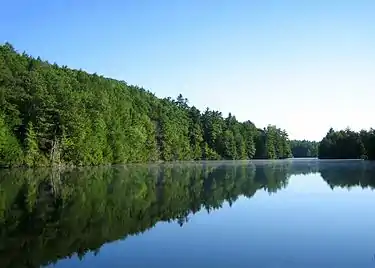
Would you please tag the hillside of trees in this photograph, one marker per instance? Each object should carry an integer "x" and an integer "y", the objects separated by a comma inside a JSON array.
[
  {"x": 304, "y": 148},
  {"x": 348, "y": 144},
  {"x": 52, "y": 115}
]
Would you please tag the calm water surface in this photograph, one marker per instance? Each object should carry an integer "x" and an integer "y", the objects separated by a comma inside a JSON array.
[{"x": 301, "y": 213}]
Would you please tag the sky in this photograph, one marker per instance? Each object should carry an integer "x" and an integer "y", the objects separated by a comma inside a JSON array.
[{"x": 303, "y": 65}]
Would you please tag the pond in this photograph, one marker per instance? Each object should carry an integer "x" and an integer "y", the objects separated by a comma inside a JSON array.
[{"x": 283, "y": 213}]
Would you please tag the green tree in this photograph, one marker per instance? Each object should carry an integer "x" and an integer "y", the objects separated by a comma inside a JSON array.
[
  {"x": 62, "y": 116},
  {"x": 31, "y": 146},
  {"x": 344, "y": 144},
  {"x": 304, "y": 148},
  {"x": 10, "y": 150}
]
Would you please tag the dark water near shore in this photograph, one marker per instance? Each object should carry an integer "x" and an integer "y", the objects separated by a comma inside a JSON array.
[{"x": 292, "y": 213}]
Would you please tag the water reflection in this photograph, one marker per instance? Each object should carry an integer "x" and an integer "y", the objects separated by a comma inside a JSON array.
[{"x": 47, "y": 215}]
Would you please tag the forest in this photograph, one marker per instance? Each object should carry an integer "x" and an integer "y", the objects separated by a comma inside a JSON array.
[
  {"x": 47, "y": 215},
  {"x": 341, "y": 144},
  {"x": 304, "y": 148},
  {"x": 348, "y": 144},
  {"x": 53, "y": 115}
]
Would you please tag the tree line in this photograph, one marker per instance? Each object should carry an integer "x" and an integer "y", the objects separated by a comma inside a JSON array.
[
  {"x": 52, "y": 115},
  {"x": 338, "y": 144},
  {"x": 304, "y": 148},
  {"x": 348, "y": 144}
]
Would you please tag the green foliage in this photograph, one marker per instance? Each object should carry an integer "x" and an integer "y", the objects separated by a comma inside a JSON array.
[
  {"x": 10, "y": 150},
  {"x": 31, "y": 146},
  {"x": 54, "y": 115},
  {"x": 368, "y": 140},
  {"x": 209, "y": 154},
  {"x": 348, "y": 144},
  {"x": 304, "y": 148},
  {"x": 228, "y": 144},
  {"x": 272, "y": 143},
  {"x": 249, "y": 134}
]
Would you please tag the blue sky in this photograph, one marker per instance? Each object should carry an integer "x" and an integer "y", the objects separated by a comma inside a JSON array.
[{"x": 302, "y": 65}]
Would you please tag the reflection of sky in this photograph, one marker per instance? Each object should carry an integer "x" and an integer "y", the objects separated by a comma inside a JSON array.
[{"x": 305, "y": 225}]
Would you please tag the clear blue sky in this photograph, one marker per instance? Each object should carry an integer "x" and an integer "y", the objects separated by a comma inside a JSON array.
[{"x": 302, "y": 65}]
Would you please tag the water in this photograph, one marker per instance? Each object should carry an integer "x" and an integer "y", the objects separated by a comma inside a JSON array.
[{"x": 301, "y": 213}]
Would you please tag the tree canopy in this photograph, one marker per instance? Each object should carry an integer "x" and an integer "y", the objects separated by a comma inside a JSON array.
[
  {"x": 52, "y": 115},
  {"x": 304, "y": 148},
  {"x": 348, "y": 144}
]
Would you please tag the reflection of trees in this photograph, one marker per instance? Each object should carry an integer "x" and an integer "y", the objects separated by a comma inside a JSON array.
[
  {"x": 305, "y": 167},
  {"x": 348, "y": 174},
  {"x": 272, "y": 176},
  {"x": 47, "y": 215},
  {"x": 339, "y": 173}
]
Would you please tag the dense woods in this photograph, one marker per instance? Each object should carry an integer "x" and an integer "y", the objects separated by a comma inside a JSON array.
[
  {"x": 304, "y": 148},
  {"x": 341, "y": 144},
  {"x": 348, "y": 144},
  {"x": 47, "y": 215},
  {"x": 51, "y": 115}
]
